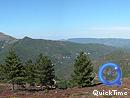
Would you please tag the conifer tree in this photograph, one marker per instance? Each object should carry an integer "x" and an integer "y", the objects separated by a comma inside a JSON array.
[
  {"x": 83, "y": 71},
  {"x": 2, "y": 74},
  {"x": 13, "y": 69},
  {"x": 45, "y": 71},
  {"x": 30, "y": 73}
]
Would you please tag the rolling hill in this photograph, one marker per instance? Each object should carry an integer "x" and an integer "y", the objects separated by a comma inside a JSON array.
[
  {"x": 63, "y": 53},
  {"x": 115, "y": 42},
  {"x": 120, "y": 57}
]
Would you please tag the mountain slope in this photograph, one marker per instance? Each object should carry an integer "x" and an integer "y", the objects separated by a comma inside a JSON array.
[
  {"x": 5, "y": 40},
  {"x": 120, "y": 57},
  {"x": 4, "y": 37},
  {"x": 62, "y": 53}
]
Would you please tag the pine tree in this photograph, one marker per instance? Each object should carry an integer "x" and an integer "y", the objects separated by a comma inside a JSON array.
[
  {"x": 13, "y": 69},
  {"x": 83, "y": 71},
  {"x": 2, "y": 78},
  {"x": 30, "y": 72},
  {"x": 45, "y": 71}
]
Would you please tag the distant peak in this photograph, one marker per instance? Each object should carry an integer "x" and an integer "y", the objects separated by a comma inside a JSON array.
[{"x": 26, "y": 37}]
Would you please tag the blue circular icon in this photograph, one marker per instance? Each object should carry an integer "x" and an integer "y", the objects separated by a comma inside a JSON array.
[{"x": 117, "y": 81}]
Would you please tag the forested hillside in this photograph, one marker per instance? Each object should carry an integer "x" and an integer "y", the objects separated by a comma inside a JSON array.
[{"x": 63, "y": 53}]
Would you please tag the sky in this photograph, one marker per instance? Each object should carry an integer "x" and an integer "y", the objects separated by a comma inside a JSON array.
[{"x": 62, "y": 19}]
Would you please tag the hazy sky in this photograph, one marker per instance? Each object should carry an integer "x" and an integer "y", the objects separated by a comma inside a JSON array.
[{"x": 61, "y": 19}]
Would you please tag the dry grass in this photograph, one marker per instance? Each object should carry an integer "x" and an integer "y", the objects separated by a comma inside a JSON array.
[{"x": 69, "y": 93}]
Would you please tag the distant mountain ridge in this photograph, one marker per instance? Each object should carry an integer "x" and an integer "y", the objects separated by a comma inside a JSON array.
[
  {"x": 62, "y": 53},
  {"x": 115, "y": 42}
]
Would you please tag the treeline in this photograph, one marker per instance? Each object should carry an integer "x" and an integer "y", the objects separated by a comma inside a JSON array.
[{"x": 41, "y": 74}]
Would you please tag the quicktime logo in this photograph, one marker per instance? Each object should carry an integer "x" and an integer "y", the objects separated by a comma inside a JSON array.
[
  {"x": 115, "y": 67},
  {"x": 109, "y": 93},
  {"x": 116, "y": 82}
]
